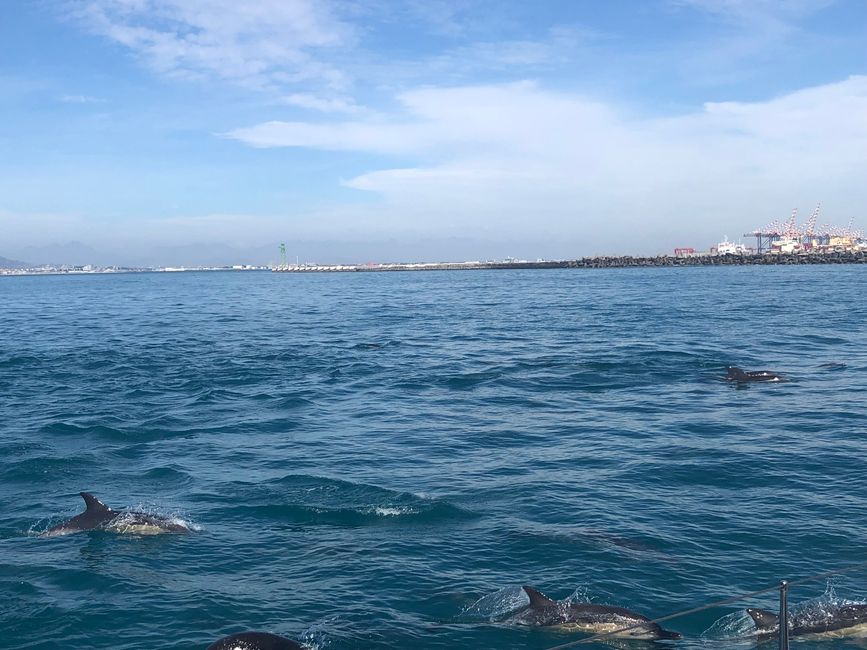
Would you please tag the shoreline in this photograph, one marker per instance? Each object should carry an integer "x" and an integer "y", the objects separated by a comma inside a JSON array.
[
  {"x": 598, "y": 262},
  {"x": 601, "y": 262}
]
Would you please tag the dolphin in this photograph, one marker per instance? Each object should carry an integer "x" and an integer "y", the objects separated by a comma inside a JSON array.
[
  {"x": 254, "y": 641},
  {"x": 848, "y": 620},
  {"x": 98, "y": 516},
  {"x": 736, "y": 374},
  {"x": 587, "y": 617}
]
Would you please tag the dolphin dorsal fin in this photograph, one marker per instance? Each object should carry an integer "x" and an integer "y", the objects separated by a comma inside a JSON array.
[
  {"x": 764, "y": 619},
  {"x": 736, "y": 373},
  {"x": 93, "y": 504},
  {"x": 537, "y": 598}
]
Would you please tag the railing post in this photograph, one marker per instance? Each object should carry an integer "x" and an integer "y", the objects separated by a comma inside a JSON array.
[{"x": 784, "y": 615}]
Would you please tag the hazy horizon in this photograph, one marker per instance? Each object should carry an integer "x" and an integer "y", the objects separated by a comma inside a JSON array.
[
  {"x": 169, "y": 132},
  {"x": 304, "y": 252}
]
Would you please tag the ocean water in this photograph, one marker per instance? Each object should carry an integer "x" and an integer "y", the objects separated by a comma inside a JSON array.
[{"x": 382, "y": 460}]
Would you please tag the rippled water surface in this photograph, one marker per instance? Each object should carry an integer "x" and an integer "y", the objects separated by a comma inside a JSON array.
[{"x": 381, "y": 460}]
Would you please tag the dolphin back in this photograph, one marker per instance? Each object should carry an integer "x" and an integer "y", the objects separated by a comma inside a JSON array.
[
  {"x": 733, "y": 373},
  {"x": 850, "y": 617}
]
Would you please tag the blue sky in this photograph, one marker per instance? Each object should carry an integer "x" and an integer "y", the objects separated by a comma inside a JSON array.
[{"x": 147, "y": 129}]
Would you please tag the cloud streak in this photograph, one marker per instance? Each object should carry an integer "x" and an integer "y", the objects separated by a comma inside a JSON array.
[
  {"x": 79, "y": 99},
  {"x": 266, "y": 44}
]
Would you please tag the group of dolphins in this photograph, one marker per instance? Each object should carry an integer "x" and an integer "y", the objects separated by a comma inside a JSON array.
[{"x": 541, "y": 611}]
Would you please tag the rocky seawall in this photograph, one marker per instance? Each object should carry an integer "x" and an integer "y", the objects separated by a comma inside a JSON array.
[
  {"x": 853, "y": 257},
  {"x": 599, "y": 262}
]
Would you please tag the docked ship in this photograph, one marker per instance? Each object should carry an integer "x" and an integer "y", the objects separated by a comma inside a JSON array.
[{"x": 725, "y": 247}]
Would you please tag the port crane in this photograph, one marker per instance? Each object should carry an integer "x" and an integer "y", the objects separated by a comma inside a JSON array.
[{"x": 782, "y": 235}]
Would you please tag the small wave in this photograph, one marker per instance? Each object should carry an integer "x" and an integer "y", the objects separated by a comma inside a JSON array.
[
  {"x": 20, "y": 361},
  {"x": 294, "y": 402},
  {"x": 824, "y": 340},
  {"x": 369, "y": 346},
  {"x": 38, "y": 468},
  {"x": 66, "y": 428},
  {"x": 384, "y": 511},
  {"x": 463, "y": 382},
  {"x": 167, "y": 475},
  {"x": 143, "y": 392},
  {"x": 215, "y": 396},
  {"x": 317, "y": 500},
  {"x": 137, "y": 433},
  {"x": 470, "y": 380},
  {"x": 104, "y": 364},
  {"x": 297, "y": 514}
]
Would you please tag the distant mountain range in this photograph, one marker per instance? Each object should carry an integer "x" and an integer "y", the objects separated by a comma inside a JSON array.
[
  {"x": 6, "y": 263},
  {"x": 61, "y": 254},
  {"x": 406, "y": 249}
]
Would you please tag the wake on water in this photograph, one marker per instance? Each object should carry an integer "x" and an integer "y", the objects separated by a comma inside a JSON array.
[{"x": 498, "y": 605}]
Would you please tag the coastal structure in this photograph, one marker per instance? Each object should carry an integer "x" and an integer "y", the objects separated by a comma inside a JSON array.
[
  {"x": 787, "y": 237},
  {"x": 776, "y": 243},
  {"x": 598, "y": 262}
]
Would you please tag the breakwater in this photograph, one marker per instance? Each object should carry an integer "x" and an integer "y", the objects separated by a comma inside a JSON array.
[{"x": 600, "y": 262}]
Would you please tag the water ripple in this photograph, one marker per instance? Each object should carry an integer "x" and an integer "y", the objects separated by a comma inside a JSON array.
[{"x": 381, "y": 460}]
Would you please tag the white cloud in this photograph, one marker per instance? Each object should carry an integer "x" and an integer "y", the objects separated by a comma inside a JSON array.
[
  {"x": 523, "y": 119},
  {"x": 527, "y": 158},
  {"x": 559, "y": 46},
  {"x": 263, "y": 44},
  {"x": 750, "y": 12},
  {"x": 322, "y": 104},
  {"x": 445, "y": 120},
  {"x": 79, "y": 99},
  {"x": 750, "y": 35}
]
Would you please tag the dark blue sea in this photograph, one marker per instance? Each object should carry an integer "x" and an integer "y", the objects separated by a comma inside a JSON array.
[{"x": 381, "y": 460}]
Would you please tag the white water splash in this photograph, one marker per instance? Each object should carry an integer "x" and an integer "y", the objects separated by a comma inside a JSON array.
[
  {"x": 392, "y": 511},
  {"x": 495, "y": 606}
]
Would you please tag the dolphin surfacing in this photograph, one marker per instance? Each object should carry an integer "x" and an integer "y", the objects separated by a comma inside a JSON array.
[
  {"x": 98, "y": 516},
  {"x": 848, "y": 620},
  {"x": 587, "y": 617},
  {"x": 733, "y": 373},
  {"x": 254, "y": 641}
]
